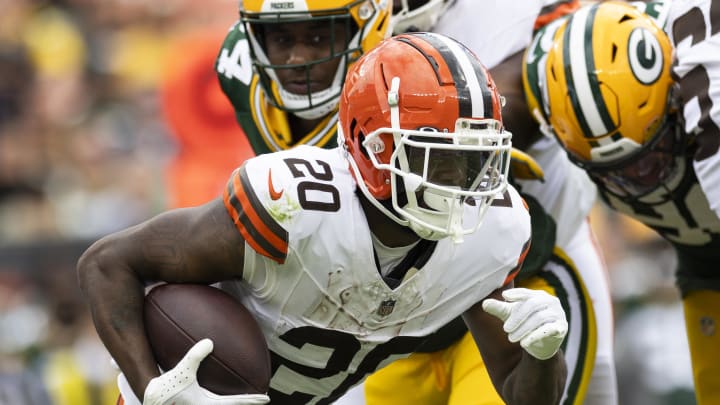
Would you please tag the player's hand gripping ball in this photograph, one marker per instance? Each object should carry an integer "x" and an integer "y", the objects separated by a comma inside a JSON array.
[{"x": 177, "y": 316}]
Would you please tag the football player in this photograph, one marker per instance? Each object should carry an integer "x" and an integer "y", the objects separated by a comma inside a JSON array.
[
  {"x": 283, "y": 65},
  {"x": 633, "y": 97},
  {"x": 330, "y": 35},
  {"x": 308, "y": 240},
  {"x": 575, "y": 271},
  {"x": 271, "y": 125},
  {"x": 273, "y": 43}
]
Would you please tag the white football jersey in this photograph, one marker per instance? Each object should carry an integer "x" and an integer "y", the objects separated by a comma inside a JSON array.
[
  {"x": 493, "y": 29},
  {"x": 311, "y": 279},
  {"x": 694, "y": 29}
]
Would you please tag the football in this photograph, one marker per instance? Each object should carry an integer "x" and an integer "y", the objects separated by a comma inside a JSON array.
[{"x": 179, "y": 315}]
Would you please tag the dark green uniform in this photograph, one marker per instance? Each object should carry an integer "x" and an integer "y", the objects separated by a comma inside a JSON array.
[{"x": 266, "y": 127}]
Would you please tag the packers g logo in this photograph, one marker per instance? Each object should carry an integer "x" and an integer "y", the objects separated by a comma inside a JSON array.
[{"x": 645, "y": 56}]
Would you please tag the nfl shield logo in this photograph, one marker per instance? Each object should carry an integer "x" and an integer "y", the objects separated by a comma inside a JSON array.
[
  {"x": 707, "y": 325},
  {"x": 386, "y": 307}
]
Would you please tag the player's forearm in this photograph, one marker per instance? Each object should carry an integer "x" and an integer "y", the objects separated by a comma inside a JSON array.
[
  {"x": 536, "y": 382},
  {"x": 115, "y": 298}
]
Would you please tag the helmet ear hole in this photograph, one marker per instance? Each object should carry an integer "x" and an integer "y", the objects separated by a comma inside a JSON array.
[
  {"x": 361, "y": 139},
  {"x": 613, "y": 55},
  {"x": 353, "y": 126},
  {"x": 357, "y": 136}
]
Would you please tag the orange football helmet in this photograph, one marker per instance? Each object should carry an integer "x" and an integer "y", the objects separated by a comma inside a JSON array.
[{"x": 420, "y": 121}]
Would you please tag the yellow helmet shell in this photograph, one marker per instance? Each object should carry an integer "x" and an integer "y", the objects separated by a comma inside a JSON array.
[
  {"x": 608, "y": 82},
  {"x": 373, "y": 29}
]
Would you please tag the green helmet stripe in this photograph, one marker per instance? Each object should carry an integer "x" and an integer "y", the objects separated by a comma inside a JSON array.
[{"x": 580, "y": 74}]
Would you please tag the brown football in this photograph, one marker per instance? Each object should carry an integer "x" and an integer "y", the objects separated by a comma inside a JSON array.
[{"x": 179, "y": 315}]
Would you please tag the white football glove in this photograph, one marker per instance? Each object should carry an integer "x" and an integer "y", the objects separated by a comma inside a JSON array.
[
  {"x": 532, "y": 317},
  {"x": 179, "y": 386}
]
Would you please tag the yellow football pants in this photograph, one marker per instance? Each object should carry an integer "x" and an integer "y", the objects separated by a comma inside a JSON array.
[
  {"x": 453, "y": 376},
  {"x": 457, "y": 374},
  {"x": 702, "y": 313}
]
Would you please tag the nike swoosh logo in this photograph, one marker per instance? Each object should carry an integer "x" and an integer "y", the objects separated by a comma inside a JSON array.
[{"x": 274, "y": 194}]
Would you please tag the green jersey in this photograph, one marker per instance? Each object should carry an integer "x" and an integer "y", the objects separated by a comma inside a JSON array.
[{"x": 266, "y": 127}]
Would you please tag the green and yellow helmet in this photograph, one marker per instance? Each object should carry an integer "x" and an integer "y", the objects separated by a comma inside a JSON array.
[
  {"x": 608, "y": 82},
  {"x": 367, "y": 21},
  {"x": 606, "y": 94}
]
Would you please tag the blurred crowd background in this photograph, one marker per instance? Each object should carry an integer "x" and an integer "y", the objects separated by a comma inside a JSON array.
[{"x": 98, "y": 132}]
